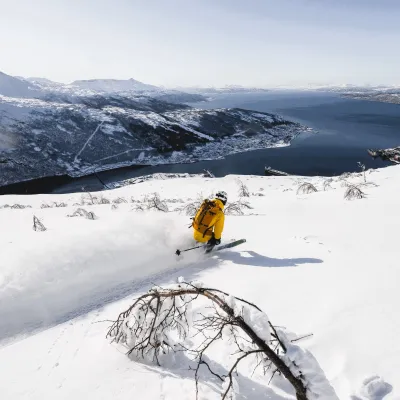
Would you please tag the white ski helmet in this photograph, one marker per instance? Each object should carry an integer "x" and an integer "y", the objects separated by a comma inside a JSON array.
[{"x": 221, "y": 195}]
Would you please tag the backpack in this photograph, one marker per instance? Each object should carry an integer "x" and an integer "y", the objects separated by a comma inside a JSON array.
[{"x": 207, "y": 211}]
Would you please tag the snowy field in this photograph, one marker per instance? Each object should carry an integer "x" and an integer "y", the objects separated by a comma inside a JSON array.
[{"x": 315, "y": 263}]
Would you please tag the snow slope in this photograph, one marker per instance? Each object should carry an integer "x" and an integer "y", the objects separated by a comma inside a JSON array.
[{"x": 315, "y": 263}]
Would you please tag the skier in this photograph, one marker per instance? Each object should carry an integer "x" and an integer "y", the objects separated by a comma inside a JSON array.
[{"x": 208, "y": 223}]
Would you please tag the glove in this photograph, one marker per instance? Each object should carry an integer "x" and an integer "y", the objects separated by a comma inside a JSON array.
[{"x": 213, "y": 241}]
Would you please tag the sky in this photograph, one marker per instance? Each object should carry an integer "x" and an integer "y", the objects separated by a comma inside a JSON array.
[{"x": 173, "y": 43}]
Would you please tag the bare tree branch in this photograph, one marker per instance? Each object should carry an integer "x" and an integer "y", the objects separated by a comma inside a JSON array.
[{"x": 145, "y": 324}]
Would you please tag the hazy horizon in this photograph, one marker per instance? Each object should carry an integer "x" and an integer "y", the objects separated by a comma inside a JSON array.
[
  {"x": 263, "y": 43},
  {"x": 230, "y": 85}
]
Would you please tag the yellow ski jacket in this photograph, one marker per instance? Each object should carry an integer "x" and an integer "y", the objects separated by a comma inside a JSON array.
[{"x": 217, "y": 223}]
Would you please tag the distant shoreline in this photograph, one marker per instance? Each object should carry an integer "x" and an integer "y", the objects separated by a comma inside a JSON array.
[
  {"x": 46, "y": 184},
  {"x": 379, "y": 98}
]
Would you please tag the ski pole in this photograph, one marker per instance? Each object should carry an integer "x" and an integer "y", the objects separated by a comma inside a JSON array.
[{"x": 178, "y": 252}]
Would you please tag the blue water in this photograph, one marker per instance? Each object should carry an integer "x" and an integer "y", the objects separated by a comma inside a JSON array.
[{"x": 344, "y": 130}]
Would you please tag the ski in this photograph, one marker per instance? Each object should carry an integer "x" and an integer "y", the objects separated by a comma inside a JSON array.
[
  {"x": 228, "y": 245},
  {"x": 215, "y": 248}
]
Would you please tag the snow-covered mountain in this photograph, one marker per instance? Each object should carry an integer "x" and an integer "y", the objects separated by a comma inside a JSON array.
[
  {"x": 105, "y": 87},
  {"x": 115, "y": 85},
  {"x": 37, "y": 87},
  {"x": 384, "y": 94},
  {"x": 45, "y": 84},
  {"x": 15, "y": 87},
  {"x": 67, "y": 131},
  {"x": 60, "y": 289}
]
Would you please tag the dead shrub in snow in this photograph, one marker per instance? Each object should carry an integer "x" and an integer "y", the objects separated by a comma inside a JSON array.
[
  {"x": 81, "y": 212},
  {"x": 88, "y": 199},
  {"x": 119, "y": 200},
  {"x": 17, "y": 206},
  {"x": 54, "y": 205},
  {"x": 38, "y": 225},
  {"x": 154, "y": 201},
  {"x": 237, "y": 207},
  {"x": 58, "y": 205},
  {"x": 161, "y": 323},
  {"x": 354, "y": 192},
  {"x": 114, "y": 207},
  {"x": 91, "y": 199},
  {"x": 243, "y": 189},
  {"x": 103, "y": 200},
  {"x": 327, "y": 184},
  {"x": 191, "y": 208},
  {"x": 306, "y": 188},
  {"x": 139, "y": 207}
]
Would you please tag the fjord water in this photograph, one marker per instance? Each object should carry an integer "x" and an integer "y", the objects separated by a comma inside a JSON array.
[{"x": 343, "y": 131}]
